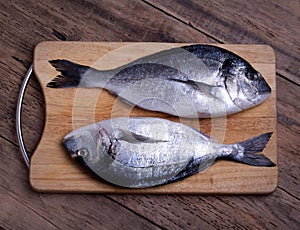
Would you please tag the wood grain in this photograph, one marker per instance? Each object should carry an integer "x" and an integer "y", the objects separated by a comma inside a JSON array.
[
  {"x": 53, "y": 170},
  {"x": 288, "y": 110},
  {"x": 216, "y": 212},
  {"x": 26, "y": 23}
]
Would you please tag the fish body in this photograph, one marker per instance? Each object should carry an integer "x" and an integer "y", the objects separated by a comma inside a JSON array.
[
  {"x": 145, "y": 152},
  {"x": 195, "y": 81}
]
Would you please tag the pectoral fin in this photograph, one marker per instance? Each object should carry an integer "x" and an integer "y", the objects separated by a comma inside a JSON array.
[
  {"x": 132, "y": 137},
  {"x": 202, "y": 87}
]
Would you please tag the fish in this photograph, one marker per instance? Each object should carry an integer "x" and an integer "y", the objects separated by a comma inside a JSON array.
[
  {"x": 194, "y": 81},
  {"x": 142, "y": 152}
]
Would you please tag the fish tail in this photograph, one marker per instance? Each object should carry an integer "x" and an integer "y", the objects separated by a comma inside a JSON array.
[
  {"x": 71, "y": 74},
  {"x": 251, "y": 148}
]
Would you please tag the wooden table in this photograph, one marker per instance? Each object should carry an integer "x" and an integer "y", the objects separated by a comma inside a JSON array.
[{"x": 26, "y": 23}]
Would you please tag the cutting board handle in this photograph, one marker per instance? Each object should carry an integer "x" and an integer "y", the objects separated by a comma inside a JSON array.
[{"x": 18, "y": 116}]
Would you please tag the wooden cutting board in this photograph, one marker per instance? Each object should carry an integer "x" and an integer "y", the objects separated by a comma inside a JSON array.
[{"x": 53, "y": 170}]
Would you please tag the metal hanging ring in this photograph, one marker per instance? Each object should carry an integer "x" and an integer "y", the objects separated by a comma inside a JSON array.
[{"x": 18, "y": 116}]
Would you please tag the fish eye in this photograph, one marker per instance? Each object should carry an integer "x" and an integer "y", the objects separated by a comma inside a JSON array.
[{"x": 82, "y": 152}]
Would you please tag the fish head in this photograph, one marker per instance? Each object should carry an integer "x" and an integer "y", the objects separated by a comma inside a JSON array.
[
  {"x": 89, "y": 143},
  {"x": 245, "y": 86}
]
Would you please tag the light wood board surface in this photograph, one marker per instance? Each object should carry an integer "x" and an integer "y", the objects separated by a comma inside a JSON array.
[{"x": 53, "y": 170}]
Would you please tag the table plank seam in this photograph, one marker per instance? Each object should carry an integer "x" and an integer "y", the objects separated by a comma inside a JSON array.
[
  {"x": 31, "y": 209},
  {"x": 182, "y": 21},
  {"x": 287, "y": 79}
]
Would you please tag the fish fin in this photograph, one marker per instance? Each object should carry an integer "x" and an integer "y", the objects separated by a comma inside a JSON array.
[
  {"x": 251, "y": 148},
  {"x": 195, "y": 84},
  {"x": 71, "y": 74},
  {"x": 133, "y": 137}
]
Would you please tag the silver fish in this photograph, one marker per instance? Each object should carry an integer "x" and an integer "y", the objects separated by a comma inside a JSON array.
[
  {"x": 145, "y": 152},
  {"x": 190, "y": 81}
]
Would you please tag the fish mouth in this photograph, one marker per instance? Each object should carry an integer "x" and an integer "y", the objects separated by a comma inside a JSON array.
[
  {"x": 262, "y": 86},
  {"x": 263, "y": 91},
  {"x": 70, "y": 144}
]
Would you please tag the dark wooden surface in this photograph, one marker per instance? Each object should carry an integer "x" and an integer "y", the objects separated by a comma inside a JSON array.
[{"x": 23, "y": 24}]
